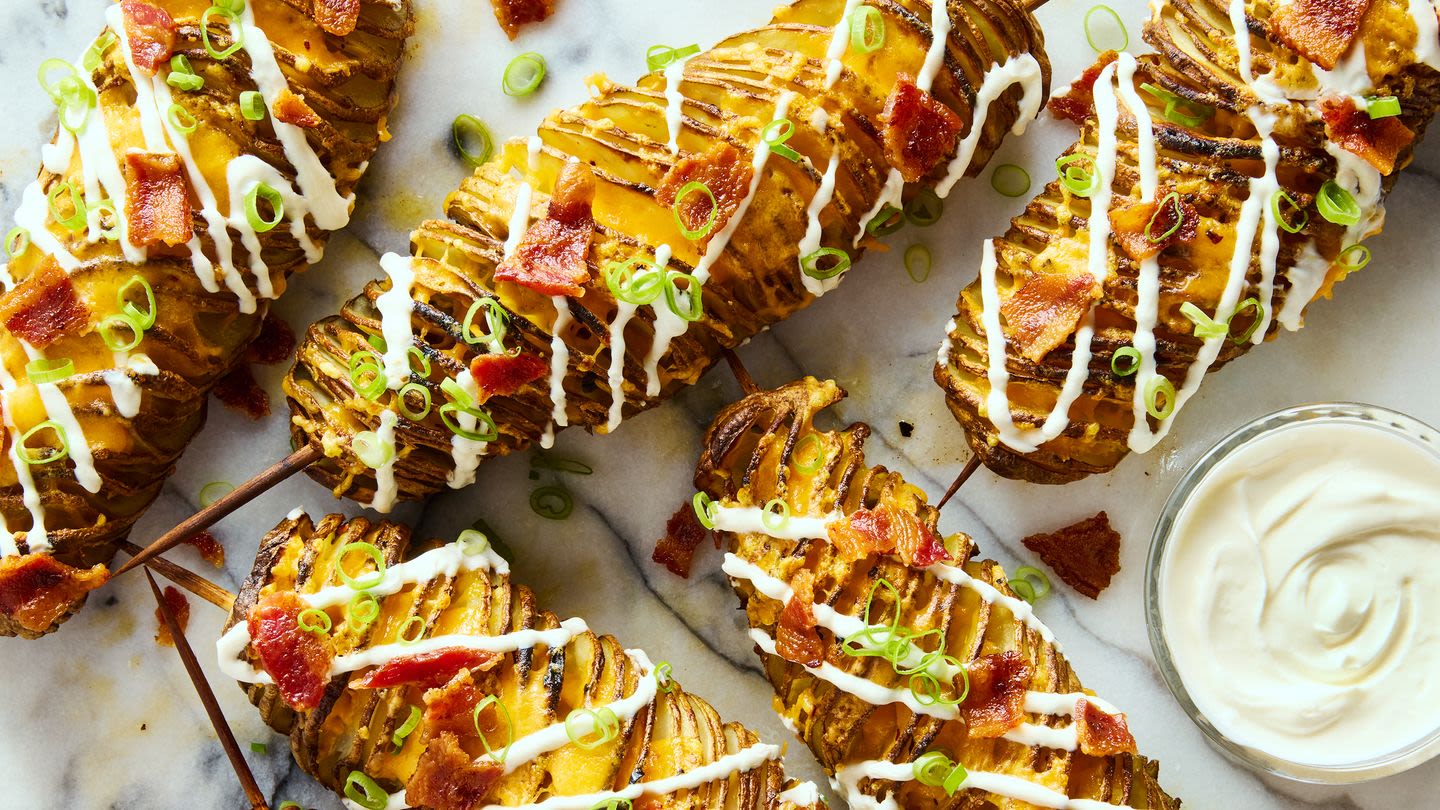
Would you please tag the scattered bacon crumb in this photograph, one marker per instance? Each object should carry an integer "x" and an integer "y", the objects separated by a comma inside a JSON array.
[
  {"x": 179, "y": 608},
  {"x": 551, "y": 257},
  {"x": 501, "y": 375},
  {"x": 1084, "y": 555},
  {"x": 919, "y": 130},
  {"x": 1045, "y": 311},
  {"x": 299, "y": 661},
  {"x": 292, "y": 109},
  {"x": 210, "y": 549},
  {"x": 449, "y": 708},
  {"x": 512, "y": 14},
  {"x": 724, "y": 170},
  {"x": 430, "y": 669},
  {"x": 43, "y": 307},
  {"x": 240, "y": 391},
  {"x": 683, "y": 536},
  {"x": 1101, "y": 734},
  {"x": 796, "y": 639},
  {"x": 158, "y": 199},
  {"x": 37, "y": 589},
  {"x": 996, "y": 703},
  {"x": 1377, "y": 140},
  {"x": 151, "y": 34},
  {"x": 1077, "y": 105},
  {"x": 1129, "y": 219},
  {"x": 1319, "y": 30},
  {"x": 885, "y": 530},
  {"x": 337, "y": 17},
  {"x": 274, "y": 344},
  {"x": 448, "y": 778}
]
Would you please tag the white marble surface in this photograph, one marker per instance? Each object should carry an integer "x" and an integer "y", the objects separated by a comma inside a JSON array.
[{"x": 97, "y": 716}]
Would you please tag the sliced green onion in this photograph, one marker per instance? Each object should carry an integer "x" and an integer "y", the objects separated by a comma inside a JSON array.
[
  {"x": 214, "y": 491},
  {"x": 17, "y": 241},
  {"x": 497, "y": 322},
  {"x": 925, "y": 208},
  {"x": 376, "y": 342},
  {"x": 364, "y": 791},
  {"x": 1035, "y": 583},
  {"x": 931, "y": 768},
  {"x": 1362, "y": 251},
  {"x": 664, "y": 677},
  {"x": 104, "y": 211},
  {"x": 473, "y": 541},
  {"x": 252, "y": 105},
  {"x": 706, "y": 510},
  {"x": 1251, "y": 304},
  {"x": 693, "y": 306},
  {"x": 259, "y": 748},
  {"x": 486, "y": 432},
  {"x": 237, "y": 6},
  {"x": 775, "y": 134},
  {"x": 287, "y": 804},
  {"x": 79, "y": 213},
  {"x": 1010, "y": 180},
  {"x": 523, "y": 74},
  {"x": 561, "y": 464},
  {"x": 955, "y": 779},
  {"x": 237, "y": 34},
  {"x": 604, "y": 724},
  {"x": 867, "y": 30},
  {"x": 1125, "y": 361},
  {"x": 614, "y": 803},
  {"x": 918, "y": 262},
  {"x": 686, "y": 190},
  {"x": 366, "y": 375},
  {"x": 405, "y": 637},
  {"x": 43, "y": 370},
  {"x": 1382, "y": 106},
  {"x": 1282, "y": 197},
  {"x": 1205, "y": 327},
  {"x": 772, "y": 519},
  {"x": 886, "y": 221},
  {"x": 29, "y": 454},
  {"x": 369, "y": 580},
  {"x": 1199, "y": 113},
  {"x": 403, "y": 400},
  {"x": 1171, "y": 199},
  {"x": 314, "y": 620},
  {"x": 1160, "y": 390},
  {"x": 472, "y": 139},
  {"x": 1337, "y": 205},
  {"x": 52, "y": 89},
  {"x": 1076, "y": 178},
  {"x": 362, "y": 609},
  {"x": 181, "y": 120},
  {"x": 259, "y": 223},
  {"x": 552, "y": 502},
  {"x": 76, "y": 105},
  {"x": 108, "y": 332},
  {"x": 659, "y": 57},
  {"x": 634, "y": 281},
  {"x": 145, "y": 318},
  {"x": 183, "y": 78},
  {"x": 372, "y": 452},
  {"x": 809, "y": 442},
  {"x": 504, "y": 714},
  {"x": 415, "y": 355},
  {"x": 95, "y": 54},
  {"x": 810, "y": 264},
  {"x": 1119, "y": 25},
  {"x": 411, "y": 723}
]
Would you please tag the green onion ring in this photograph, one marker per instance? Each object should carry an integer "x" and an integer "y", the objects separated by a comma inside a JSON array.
[
  {"x": 634, "y": 281},
  {"x": 706, "y": 510},
  {"x": 775, "y": 134},
  {"x": 181, "y": 120},
  {"x": 694, "y": 305},
  {"x": 258, "y": 223},
  {"x": 886, "y": 221},
  {"x": 252, "y": 105},
  {"x": 52, "y": 454},
  {"x": 603, "y": 723},
  {"x": 524, "y": 73},
  {"x": 43, "y": 370},
  {"x": 17, "y": 241},
  {"x": 1010, "y": 180},
  {"x": 1337, "y": 205},
  {"x": 1125, "y": 361},
  {"x": 366, "y": 375},
  {"x": 402, "y": 398},
  {"x": 1075, "y": 178},
  {"x": 504, "y": 714},
  {"x": 95, "y": 54},
  {"x": 1281, "y": 196},
  {"x": 1362, "y": 250},
  {"x": 659, "y": 57},
  {"x": 664, "y": 677},
  {"x": 1173, "y": 198},
  {"x": 369, "y": 580},
  {"x": 214, "y": 491},
  {"x": 918, "y": 262},
  {"x": 1160, "y": 388},
  {"x": 925, "y": 208},
  {"x": 486, "y": 430},
  {"x": 416, "y": 354},
  {"x": 497, "y": 322},
  {"x": 867, "y": 29},
  {"x": 1205, "y": 327},
  {"x": 79, "y": 214},
  {"x": 615, "y": 803},
  {"x": 810, "y": 264},
  {"x": 411, "y": 723},
  {"x": 695, "y": 234},
  {"x": 931, "y": 768},
  {"x": 145, "y": 318},
  {"x": 812, "y": 443},
  {"x": 1039, "y": 582},
  {"x": 364, "y": 791},
  {"x": 552, "y": 502},
  {"x": 362, "y": 609},
  {"x": 1382, "y": 106},
  {"x": 104, "y": 211},
  {"x": 314, "y": 620},
  {"x": 108, "y": 327},
  {"x": 465, "y": 130},
  {"x": 370, "y": 450},
  {"x": 472, "y": 542},
  {"x": 772, "y": 520},
  {"x": 1249, "y": 304},
  {"x": 1173, "y": 103},
  {"x": 237, "y": 34},
  {"x": 52, "y": 88},
  {"x": 184, "y": 79},
  {"x": 1119, "y": 23},
  {"x": 405, "y": 637}
]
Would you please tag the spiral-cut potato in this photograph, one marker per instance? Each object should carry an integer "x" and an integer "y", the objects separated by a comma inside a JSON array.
[
  {"x": 610, "y": 362},
  {"x": 539, "y": 682},
  {"x": 859, "y": 714},
  {"x": 125, "y": 415},
  {"x": 1248, "y": 117}
]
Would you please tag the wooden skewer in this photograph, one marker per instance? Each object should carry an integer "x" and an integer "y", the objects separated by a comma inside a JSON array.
[
  {"x": 207, "y": 697},
  {"x": 742, "y": 375},
  {"x": 187, "y": 579},
  {"x": 1034, "y": 5},
  {"x": 970, "y": 467},
  {"x": 212, "y": 514}
]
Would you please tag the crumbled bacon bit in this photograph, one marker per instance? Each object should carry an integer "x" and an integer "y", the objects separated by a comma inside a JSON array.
[
  {"x": 502, "y": 375},
  {"x": 43, "y": 307},
  {"x": 274, "y": 344},
  {"x": 37, "y": 589},
  {"x": 511, "y": 14},
  {"x": 1377, "y": 140},
  {"x": 920, "y": 131},
  {"x": 996, "y": 703},
  {"x": 448, "y": 778},
  {"x": 1045, "y": 311},
  {"x": 683, "y": 536},
  {"x": 1077, "y": 104},
  {"x": 179, "y": 608},
  {"x": 430, "y": 669},
  {"x": 210, "y": 549},
  {"x": 723, "y": 170},
  {"x": 151, "y": 34},
  {"x": 1130, "y": 219},
  {"x": 298, "y": 661},
  {"x": 1319, "y": 30},
  {"x": 1085, "y": 555},
  {"x": 337, "y": 17},
  {"x": 292, "y": 109},
  {"x": 551, "y": 257},
  {"x": 1101, "y": 734},
  {"x": 796, "y": 638},
  {"x": 158, "y": 204},
  {"x": 885, "y": 530},
  {"x": 449, "y": 708},
  {"x": 240, "y": 391}
]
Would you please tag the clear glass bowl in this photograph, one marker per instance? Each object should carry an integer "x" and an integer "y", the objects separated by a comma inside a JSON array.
[{"x": 1370, "y": 416}]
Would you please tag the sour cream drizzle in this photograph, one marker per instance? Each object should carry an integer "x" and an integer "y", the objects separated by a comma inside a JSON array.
[
  {"x": 386, "y": 491},
  {"x": 847, "y": 781}
]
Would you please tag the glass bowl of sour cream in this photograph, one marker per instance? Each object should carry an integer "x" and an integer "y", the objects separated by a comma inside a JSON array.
[{"x": 1293, "y": 593}]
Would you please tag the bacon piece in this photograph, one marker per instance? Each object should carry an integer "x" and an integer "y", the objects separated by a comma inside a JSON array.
[
  {"x": 724, "y": 170},
  {"x": 915, "y": 543},
  {"x": 1077, "y": 104},
  {"x": 298, "y": 661},
  {"x": 274, "y": 344},
  {"x": 796, "y": 638},
  {"x": 447, "y": 778},
  {"x": 996, "y": 703},
  {"x": 44, "y": 307},
  {"x": 240, "y": 391},
  {"x": 151, "y": 33},
  {"x": 1319, "y": 30},
  {"x": 511, "y": 14},
  {"x": 1130, "y": 219},
  {"x": 337, "y": 17},
  {"x": 158, "y": 204},
  {"x": 1085, "y": 555},
  {"x": 1046, "y": 310},
  {"x": 885, "y": 530},
  {"x": 37, "y": 589},
  {"x": 919, "y": 130},
  {"x": 450, "y": 707},
  {"x": 292, "y": 109},
  {"x": 683, "y": 536},
  {"x": 179, "y": 608},
  {"x": 551, "y": 257},
  {"x": 210, "y": 549},
  {"x": 431, "y": 669},
  {"x": 1101, "y": 734},
  {"x": 501, "y": 375},
  {"x": 1377, "y": 140}
]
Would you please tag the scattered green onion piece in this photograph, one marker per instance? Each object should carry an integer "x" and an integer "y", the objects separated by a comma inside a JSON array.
[
  {"x": 449, "y": 415},
  {"x": 693, "y": 305},
  {"x": 1035, "y": 581},
  {"x": 1382, "y": 106},
  {"x": 366, "y": 375},
  {"x": 362, "y": 609},
  {"x": 417, "y": 355},
  {"x": 775, "y": 134},
  {"x": 411, "y": 723},
  {"x": 1206, "y": 328},
  {"x": 552, "y": 502},
  {"x": 403, "y": 399},
  {"x": 497, "y": 322},
  {"x": 181, "y": 120},
  {"x": 376, "y": 342},
  {"x": 17, "y": 241},
  {"x": 706, "y": 510},
  {"x": 180, "y": 67},
  {"x": 75, "y": 109},
  {"x": 109, "y": 327},
  {"x": 259, "y": 223},
  {"x": 1010, "y": 180},
  {"x": 1199, "y": 113},
  {"x": 287, "y": 805},
  {"x": 473, "y": 541},
  {"x": 29, "y": 453},
  {"x": 1178, "y": 214},
  {"x": 925, "y": 688},
  {"x": 1337, "y": 205},
  {"x": 886, "y": 221},
  {"x": 364, "y": 791},
  {"x": 773, "y": 520},
  {"x": 867, "y": 30},
  {"x": 259, "y": 748},
  {"x": 1076, "y": 178},
  {"x": 1251, "y": 304},
  {"x": 370, "y": 450},
  {"x": 810, "y": 264},
  {"x": 635, "y": 281},
  {"x": 52, "y": 89},
  {"x": 95, "y": 54},
  {"x": 43, "y": 370},
  {"x": 1119, "y": 23},
  {"x": 368, "y": 580},
  {"x": 918, "y": 262},
  {"x": 615, "y": 803},
  {"x": 214, "y": 491},
  {"x": 931, "y": 768},
  {"x": 604, "y": 724},
  {"x": 955, "y": 779},
  {"x": 237, "y": 33},
  {"x": 1359, "y": 249},
  {"x": 1156, "y": 390},
  {"x": 809, "y": 442},
  {"x": 523, "y": 74},
  {"x": 925, "y": 208},
  {"x": 405, "y": 637},
  {"x": 659, "y": 57},
  {"x": 145, "y": 318},
  {"x": 1282, "y": 197},
  {"x": 664, "y": 677},
  {"x": 104, "y": 211},
  {"x": 504, "y": 714},
  {"x": 686, "y": 190},
  {"x": 252, "y": 105},
  {"x": 561, "y": 464},
  {"x": 79, "y": 213},
  {"x": 1125, "y": 361},
  {"x": 188, "y": 82},
  {"x": 472, "y": 139},
  {"x": 314, "y": 620}
]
